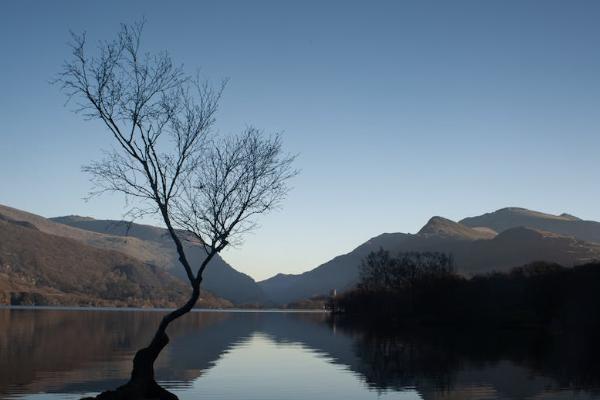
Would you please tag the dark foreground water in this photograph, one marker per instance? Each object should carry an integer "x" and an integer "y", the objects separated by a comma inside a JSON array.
[{"x": 64, "y": 354}]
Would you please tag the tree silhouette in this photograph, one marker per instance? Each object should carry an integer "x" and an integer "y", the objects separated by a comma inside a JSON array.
[{"x": 170, "y": 163}]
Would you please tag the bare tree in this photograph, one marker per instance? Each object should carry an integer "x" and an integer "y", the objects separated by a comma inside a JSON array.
[
  {"x": 169, "y": 162},
  {"x": 381, "y": 272}
]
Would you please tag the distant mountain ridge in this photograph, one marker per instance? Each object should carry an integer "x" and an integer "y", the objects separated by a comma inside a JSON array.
[
  {"x": 495, "y": 241},
  {"x": 512, "y": 217},
  {"x": 480, "y": 245}
]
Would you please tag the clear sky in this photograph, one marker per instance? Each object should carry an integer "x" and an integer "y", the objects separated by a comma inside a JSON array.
[{"x": 399, "y": 110}]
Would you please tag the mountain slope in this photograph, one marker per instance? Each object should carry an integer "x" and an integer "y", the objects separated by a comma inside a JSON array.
[
  {"x": 40, "y": 268},
  {"x": 149, "y": 245},
  {"x": 219, "y": 277},
  {"x": 475, "y": 251},
  {"x": 513, "y": 217},
  {"x": 130, "y": 246}
]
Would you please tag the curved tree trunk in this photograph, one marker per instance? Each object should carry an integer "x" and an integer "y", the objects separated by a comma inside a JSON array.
[
  {"x": 142, "y": 385},
  {"x": 143, "y": 362}
]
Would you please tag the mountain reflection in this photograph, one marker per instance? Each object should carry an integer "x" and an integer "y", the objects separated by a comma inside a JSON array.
[{"x": 75, "y": 351}]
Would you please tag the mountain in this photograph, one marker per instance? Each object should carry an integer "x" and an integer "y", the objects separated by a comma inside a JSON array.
[
  {"x": 445, "y": 228},
  {"x": 475, "y": 250},
  {"x": 219, "y": 277},
  {"x": 43, "y": 269},
  {"x": 138, "y": 255},
  {"x": 513, "y": 217},
  {"x": 147, "y": 244}
]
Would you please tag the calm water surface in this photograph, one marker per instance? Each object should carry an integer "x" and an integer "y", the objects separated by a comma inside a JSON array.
[{"x": 64, "y": 354}]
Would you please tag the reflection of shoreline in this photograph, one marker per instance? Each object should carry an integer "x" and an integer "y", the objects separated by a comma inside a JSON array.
[
  {"x": 463, "y": 364},
  {"x": 158, "y": 309},
  {"x": 79, "y": 351},
  {"x": 91, "y": 351}
]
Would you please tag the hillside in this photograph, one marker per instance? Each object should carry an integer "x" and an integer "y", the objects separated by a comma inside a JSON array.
[
  {"x": 43, "y": 269},
  {"x": 147, "y": 244},
  {"x": 219, "y": 276},
  {"x": 475, "y": 251},
  {"x": 513, "y": 217}
]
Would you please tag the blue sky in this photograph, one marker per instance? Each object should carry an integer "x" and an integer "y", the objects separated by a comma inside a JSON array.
[{"x": 399, "y": 110}]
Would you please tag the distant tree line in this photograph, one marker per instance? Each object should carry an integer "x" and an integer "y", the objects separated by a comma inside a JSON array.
[{"x": 424, "y": 288}]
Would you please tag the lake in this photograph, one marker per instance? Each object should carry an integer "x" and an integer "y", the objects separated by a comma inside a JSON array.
[{"x": 48, "y": 354}]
